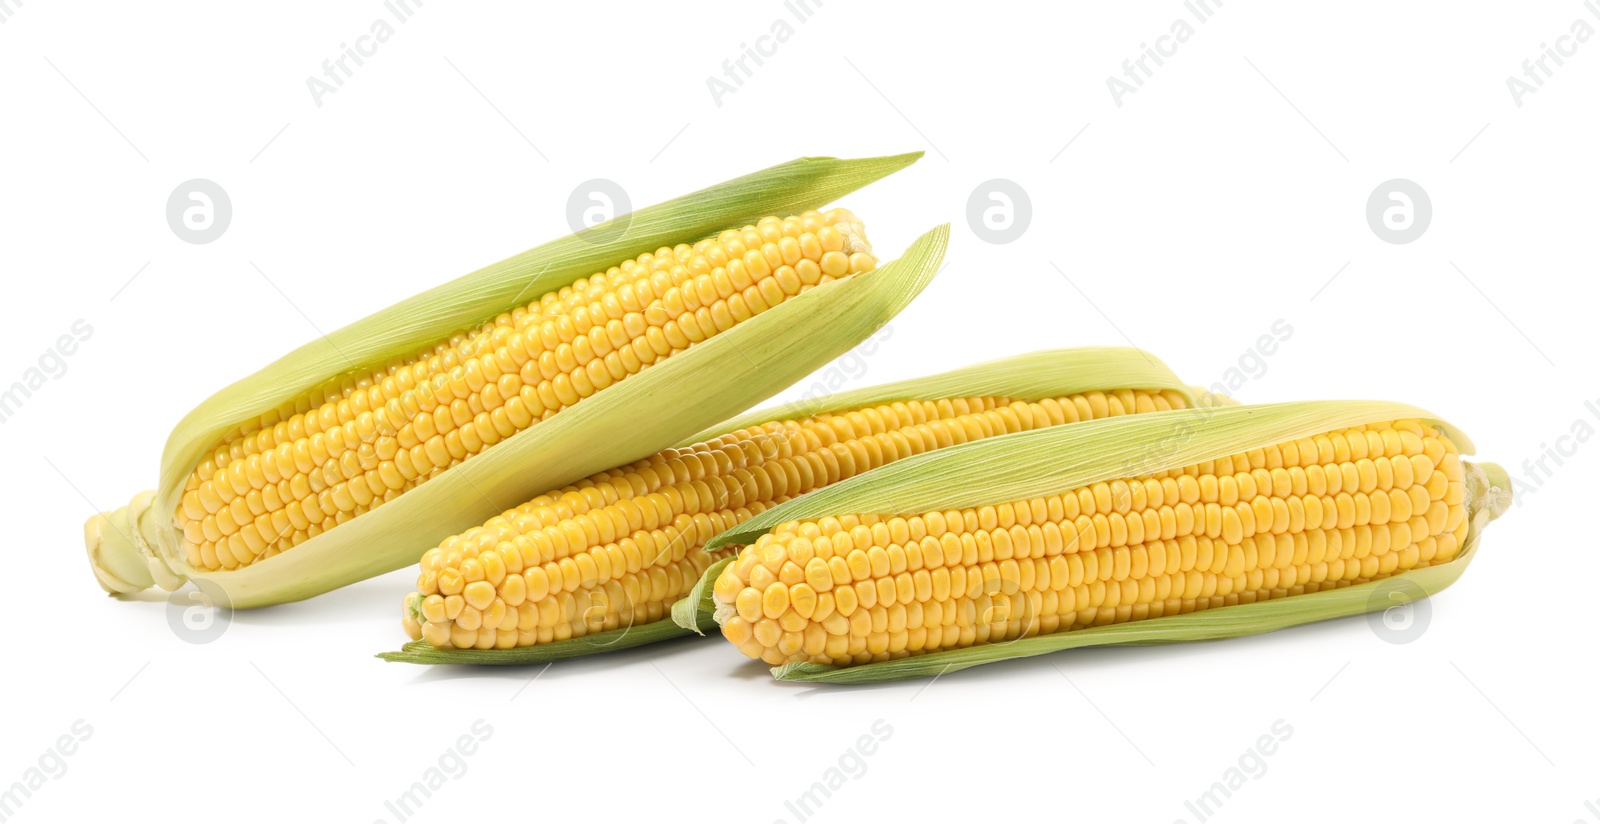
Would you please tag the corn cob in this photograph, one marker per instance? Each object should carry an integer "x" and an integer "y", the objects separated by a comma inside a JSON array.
[
  {"x": 582, "y": 567},
  {"x": 272, "y": 490},
  {"x": 335, "y": 454},
  {"x": 1263, "y": 507}
]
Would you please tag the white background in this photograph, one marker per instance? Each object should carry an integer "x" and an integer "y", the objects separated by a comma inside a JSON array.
[{"x": 1226, "y": 193}]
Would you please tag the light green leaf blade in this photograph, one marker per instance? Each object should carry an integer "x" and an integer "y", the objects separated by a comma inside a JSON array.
[
  {"x": 693, "y": 611},
  {"x": 420, "y": 652},
  {"x": 1049, "y": 373}
]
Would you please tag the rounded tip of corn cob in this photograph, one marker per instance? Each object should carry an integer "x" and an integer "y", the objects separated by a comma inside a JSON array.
[
  {"x": 412, "y": 617},
  {"x": 119, "y": 549},
  {"x": 854, "y": 231}
]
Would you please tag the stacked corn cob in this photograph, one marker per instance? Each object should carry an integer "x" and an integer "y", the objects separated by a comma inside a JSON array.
[{"x": 1260, "y": 514}]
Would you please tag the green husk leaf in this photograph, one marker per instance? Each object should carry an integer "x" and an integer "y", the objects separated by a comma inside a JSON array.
[
  {"x": 692, "y": 610},
  {"x": 1049, "y": 373},
  {"x": 614, "y": 427},
  {"x": 1047, "y": 461},
  {"x": 421, "y": 652}
]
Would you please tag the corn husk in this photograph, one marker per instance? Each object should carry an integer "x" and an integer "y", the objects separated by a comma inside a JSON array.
[
  {"x": 1035, "y": 375},
  {"x": 1049, "y": 461},
  {"x": 139, "y": 545}
]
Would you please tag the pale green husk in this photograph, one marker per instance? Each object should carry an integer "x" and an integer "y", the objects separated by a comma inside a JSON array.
[
  {"x": 1048, "y": 373},
  {"x": 1205, "y": 625},
  {"x": 634, "y": 418},
  {"x": 1048, "y": 461},
  {"x": 422, "y": 652},
  {"x": 1031, "y": 376}
]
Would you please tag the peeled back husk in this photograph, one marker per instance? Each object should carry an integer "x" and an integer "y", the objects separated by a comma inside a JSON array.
[{"x": 137, "y": 546}]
